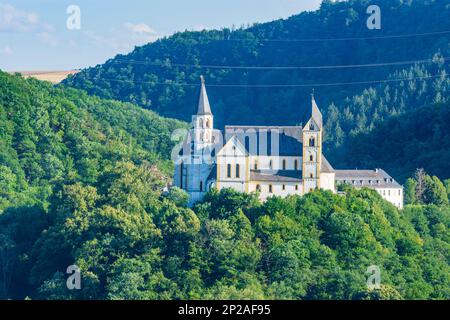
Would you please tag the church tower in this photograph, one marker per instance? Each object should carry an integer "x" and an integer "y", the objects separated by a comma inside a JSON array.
[
  {"x": 312, "y": 149},
  {"x": 202, "y": 122},
  {"x": 192, "y": 173}
]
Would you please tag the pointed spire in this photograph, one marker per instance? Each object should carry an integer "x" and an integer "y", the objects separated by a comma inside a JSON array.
[
  {"x": 203, "y": 104},
  {"x": 316, "y": 115}
]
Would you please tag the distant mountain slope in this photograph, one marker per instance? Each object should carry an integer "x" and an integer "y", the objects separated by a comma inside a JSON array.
[
  {"x": 419, "y": 139},
  {"x": 50, "y": 136},
  {"x": 150, "y": 75}
]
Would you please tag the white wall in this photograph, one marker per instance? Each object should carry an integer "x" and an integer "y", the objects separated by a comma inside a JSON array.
[
  {"x": 277, "y": 189},
  {"x": 393, "y": 195},
  {"x": 327, "y": 181}
]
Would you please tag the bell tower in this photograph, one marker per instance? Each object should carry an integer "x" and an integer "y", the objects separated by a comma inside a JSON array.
[
  {"x": 203, "y": 122},
  {"x": 312, "y": 148}
]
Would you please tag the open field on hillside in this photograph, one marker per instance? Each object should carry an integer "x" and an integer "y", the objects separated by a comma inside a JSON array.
[{"x": 52, "y": 76}]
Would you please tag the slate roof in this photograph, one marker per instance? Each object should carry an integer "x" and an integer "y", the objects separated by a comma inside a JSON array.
[
  {"x": 203, "y": 104},
  {"x": 326, "y": 166},
  {"x": 375, "y": 178},
  {"x": 278, "y": 176},
  {"x": 258, "y": 140},
  {"x": 314, "y": 113}
]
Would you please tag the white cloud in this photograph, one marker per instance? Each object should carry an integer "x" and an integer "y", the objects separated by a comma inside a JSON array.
[
  {"x": 15, "y": 20},
  {"x": 7, "y": 51},
  {"x": 140, "y": 28},
  {"x": 141, "y": 33}
]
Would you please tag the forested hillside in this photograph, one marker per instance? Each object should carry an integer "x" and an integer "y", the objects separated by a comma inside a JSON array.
[
  {"x": 163, "y": 76},
  {"x": 418, "y": 139},
  {"x": 154, "y": 76},
  {"x": 82, "y": 183},
  {"x": 82, "y": 178},
  {"x": 51, "y": 136}
]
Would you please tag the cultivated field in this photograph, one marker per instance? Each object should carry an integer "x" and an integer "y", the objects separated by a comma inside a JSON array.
[{"x": 52, "y": 76}]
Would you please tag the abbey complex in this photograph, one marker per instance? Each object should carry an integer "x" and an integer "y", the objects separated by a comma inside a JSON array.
[{"x": 270, "y": 160}]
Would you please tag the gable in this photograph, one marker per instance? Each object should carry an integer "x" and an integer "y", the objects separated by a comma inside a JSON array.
[{"x": 233, "y": 148}]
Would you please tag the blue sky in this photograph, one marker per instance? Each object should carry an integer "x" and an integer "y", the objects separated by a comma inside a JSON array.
[{"x": 34, "y": 36}]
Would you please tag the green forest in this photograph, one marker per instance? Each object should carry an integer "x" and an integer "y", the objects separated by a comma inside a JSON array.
[
  {"x": 85, "y": 165},
  {"x": 82, "y": 183}
]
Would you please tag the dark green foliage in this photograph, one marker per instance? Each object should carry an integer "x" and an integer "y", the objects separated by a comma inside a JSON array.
[
  {"x": 136, "y": 243},
  {"x": 53, "y": 136},
  {"x": 419, "y": 139},
  {"x": 139, "y": 77},
  {"x": 146, "y": 75}
]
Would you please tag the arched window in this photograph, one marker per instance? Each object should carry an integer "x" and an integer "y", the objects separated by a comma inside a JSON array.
[
  {"x": 229, "y": 170},
  {"x": 311, "y": 158},
  {"x": 296, "y": 164},
  {"x": 270, "y": 188},
  {"x": 284, "y": 187},
  {"x": 258, "y": 187},
  {"x": 247, "y": 144},
  {"x": 296, "y": 187},
  {"x": 311, "y": 127},
  {"x": 238, "y": 171},
  {"x": 201, "y": 186},
  {"x": 201, "y": 123},
  {"x": 311, "y": 176},
  {"x": 312, "y": 142},
  {"x": 208, "y": 124},
  {"x": 284, "y": 164},
  {"x": 256, "y": 165}
]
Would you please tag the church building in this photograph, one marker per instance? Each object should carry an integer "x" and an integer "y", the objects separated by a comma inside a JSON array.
[{"x": 269, "y": 160}]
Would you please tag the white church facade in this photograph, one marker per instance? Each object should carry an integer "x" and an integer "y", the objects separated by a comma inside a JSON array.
[{"x": 269, "y": 160}]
